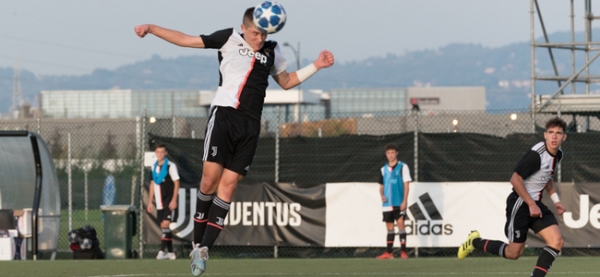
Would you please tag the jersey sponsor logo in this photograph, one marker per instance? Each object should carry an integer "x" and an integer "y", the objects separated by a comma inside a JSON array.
[
  {"x": 259, "y": 57},
  {"x": 426, "y": 221},
  {"x": 586, "y": 214}
]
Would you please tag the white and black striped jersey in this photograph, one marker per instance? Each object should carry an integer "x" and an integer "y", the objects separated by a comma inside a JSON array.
[
  {"x": 163, "y": 192},
  {"x": 537, "y": 168},
  {"x": 243, "y": 74}
]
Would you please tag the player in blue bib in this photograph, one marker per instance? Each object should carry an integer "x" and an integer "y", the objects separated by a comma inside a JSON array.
[{"x": 394, "y": 184}]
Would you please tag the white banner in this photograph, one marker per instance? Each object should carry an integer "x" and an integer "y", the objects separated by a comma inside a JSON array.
[{"x": 440, "y": 214}]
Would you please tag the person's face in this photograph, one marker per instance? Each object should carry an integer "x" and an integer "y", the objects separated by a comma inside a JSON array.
[
  {"x": 161, "y": 153},
  {"x": 391, "y": 155},
  {"x": 554, "y": 137},
  {"x": 254, "y": 37}
]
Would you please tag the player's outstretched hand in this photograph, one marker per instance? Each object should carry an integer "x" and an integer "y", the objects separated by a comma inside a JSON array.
[
  {"x": 559, "y": 208},
  {"x": 324, "y": 60},
  {"x": 142, "y": 30}
]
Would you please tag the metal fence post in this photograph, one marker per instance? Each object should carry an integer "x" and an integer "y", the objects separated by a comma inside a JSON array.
[
  {"x": 141, "y": 159},
  {"x": 277, "y": 122},
  {"x": 70, "y": 181},
  {"x": 39, "y": 126},
  {"x": 416, "y": 146}
]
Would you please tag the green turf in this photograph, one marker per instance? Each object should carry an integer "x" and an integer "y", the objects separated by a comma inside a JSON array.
[{"x": 421, "y": 267}]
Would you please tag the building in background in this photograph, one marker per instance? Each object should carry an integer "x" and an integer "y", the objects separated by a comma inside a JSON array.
[
  {"x": 374, "y": 102},
  {"x": 294, "y": 105},
  {"x": 121, "y": 103}
]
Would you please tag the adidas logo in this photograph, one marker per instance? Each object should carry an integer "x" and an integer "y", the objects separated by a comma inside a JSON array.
[
  {"x": 241, "y": 45},
  {"x": 431, "y": 215}
]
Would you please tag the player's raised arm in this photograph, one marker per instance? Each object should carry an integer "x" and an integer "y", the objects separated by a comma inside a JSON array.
[
  {"x": 172, "y": 36},
  {"x": 289, "y": 80}
]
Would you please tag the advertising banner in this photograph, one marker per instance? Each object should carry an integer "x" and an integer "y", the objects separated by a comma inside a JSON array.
[
  {"x": 439, "y": 214},
  {"x": 259, "y": 215},
  {"x": 350, "y": 215}
]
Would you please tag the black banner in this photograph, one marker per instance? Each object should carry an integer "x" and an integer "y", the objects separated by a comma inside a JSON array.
[
  {"x": 580, "y": 224},
  {"x": 266, "y": 215},
  {"x": 260, "y": 215}
]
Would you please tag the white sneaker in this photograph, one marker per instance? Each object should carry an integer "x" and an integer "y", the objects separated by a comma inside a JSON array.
[
  {"x": 161, "y": 255},
  {"x": 171, "y": 256},
  {"x": 199, "y": 255}
]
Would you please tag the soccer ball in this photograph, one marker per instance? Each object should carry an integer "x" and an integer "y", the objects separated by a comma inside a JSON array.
[
  {"x": 86, "y": 244},
  {"x": 74, "y": 236},
  {"x": 269, "y": 17}
]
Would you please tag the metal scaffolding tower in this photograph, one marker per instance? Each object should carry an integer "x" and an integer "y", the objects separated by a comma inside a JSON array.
[{"x": 573, "y": 94}]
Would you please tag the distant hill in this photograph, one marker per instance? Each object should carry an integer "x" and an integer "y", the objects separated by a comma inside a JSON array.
[{"x": 504, "y": 71}]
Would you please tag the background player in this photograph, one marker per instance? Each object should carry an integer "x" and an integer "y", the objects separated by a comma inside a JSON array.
[
  {"x": 164, "y": 189},
  {"x": 524, "y": 209},
  {"x": 394, "y": 184}
]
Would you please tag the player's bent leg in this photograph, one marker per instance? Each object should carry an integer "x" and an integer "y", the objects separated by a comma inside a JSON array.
[
  {"x": 552, "y": 236},
  {"x": 467, "y": 247},
  {"x": 211, "y": 176},
  {"x": 554, "y": 244},
  {"x": 228, "y": 184},
  {"x": 514, "y": 250}
]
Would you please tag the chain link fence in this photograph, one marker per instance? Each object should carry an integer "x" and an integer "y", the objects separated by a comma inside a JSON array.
[{"x": 92, "y": 154}]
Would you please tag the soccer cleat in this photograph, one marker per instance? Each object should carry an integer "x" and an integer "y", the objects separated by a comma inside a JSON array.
[
  {"x": 385, "y": 256},
  {"x": 199, "y": 255},
  {"x": 403, "y": 255},
  {"x": 171, "y": 256},
  {"x": 467, "y": 247},
  {"x": 161, "y": 255}
]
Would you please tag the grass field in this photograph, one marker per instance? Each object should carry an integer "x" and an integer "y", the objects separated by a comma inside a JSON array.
[{"x": 420, "y": 267}]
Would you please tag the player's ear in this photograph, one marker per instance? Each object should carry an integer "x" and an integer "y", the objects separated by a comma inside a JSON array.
[{"x": 243, "y": 28}]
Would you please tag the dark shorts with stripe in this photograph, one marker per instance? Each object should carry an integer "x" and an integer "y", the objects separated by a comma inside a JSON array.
[
  {"x": 166, "y": 214},
  {"x": 394, "y": 215},
  {"x": 231, "y": 139},
  {"x": 518, "y": 220}
]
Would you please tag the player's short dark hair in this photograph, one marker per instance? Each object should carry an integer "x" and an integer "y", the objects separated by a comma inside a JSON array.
[
  {"x": 247, "y": 20},
  {"x": 391, "y": 146},
  {"x": 556, "y": 122},
  {"x": 160, "y": 145}
]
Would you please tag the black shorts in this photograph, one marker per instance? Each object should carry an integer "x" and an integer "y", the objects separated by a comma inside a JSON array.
[
  {"x": 231, "y": 139},
  {"x": 394, "y": 215},
  {"x": 165, "y": 214},
  {"x": 518, "y": 220}
]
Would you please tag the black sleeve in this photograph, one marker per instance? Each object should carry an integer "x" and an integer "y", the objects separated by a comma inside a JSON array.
[
  {"x": 528, "y": 165},
  {"x": 217, "y": 39}
]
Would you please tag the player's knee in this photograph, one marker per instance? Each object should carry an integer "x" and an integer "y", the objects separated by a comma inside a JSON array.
[
  {"x": 513, "y": 251},
  {"x": 208, "y": 184},
  {"x": 512, "y": 256},
  {"x": 556, "y": 243}
]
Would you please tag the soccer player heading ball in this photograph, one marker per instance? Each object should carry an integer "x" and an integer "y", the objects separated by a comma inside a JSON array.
[{"x": 246, "y": 61}]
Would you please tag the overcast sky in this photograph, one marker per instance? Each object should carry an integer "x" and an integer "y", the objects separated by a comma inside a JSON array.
[{"x": 75, "y": 37}]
